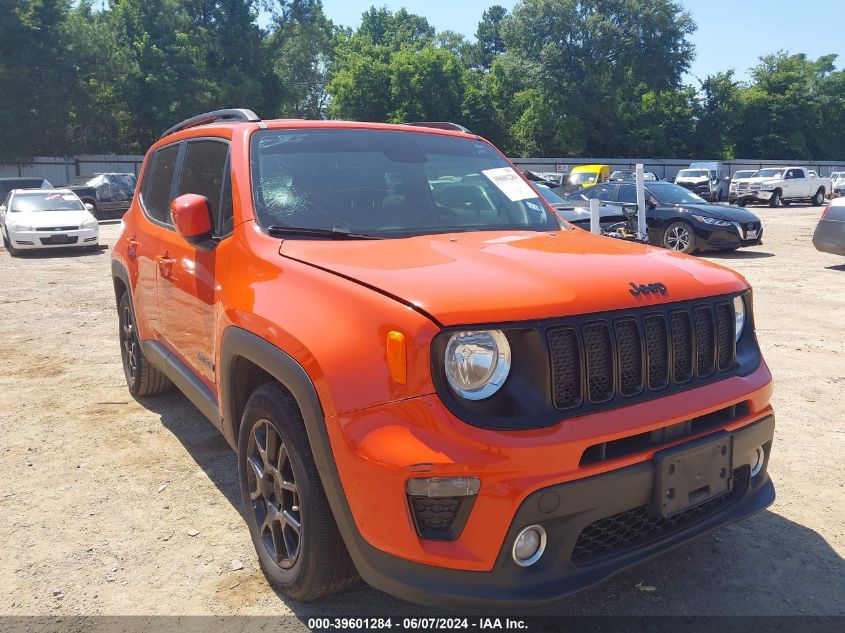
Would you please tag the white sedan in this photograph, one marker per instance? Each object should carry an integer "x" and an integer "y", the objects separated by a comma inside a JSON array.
[{"x": 46, "y": 218}]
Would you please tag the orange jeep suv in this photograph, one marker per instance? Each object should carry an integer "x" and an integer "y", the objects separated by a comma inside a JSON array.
[{"x": 430, "y": 380}]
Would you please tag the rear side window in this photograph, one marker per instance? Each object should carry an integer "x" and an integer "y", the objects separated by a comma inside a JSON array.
[
  {"x": 627, "y": 193},
  {"x": 155, "y": 192},
  {"x": 204, "y": 174}
]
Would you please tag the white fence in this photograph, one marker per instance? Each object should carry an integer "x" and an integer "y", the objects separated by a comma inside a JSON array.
[
  {"x": 667, "y": 167},
  {"x": 60, "y": 171}
]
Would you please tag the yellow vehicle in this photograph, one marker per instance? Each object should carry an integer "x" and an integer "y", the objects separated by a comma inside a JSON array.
[{"x": 589, "y": 175}]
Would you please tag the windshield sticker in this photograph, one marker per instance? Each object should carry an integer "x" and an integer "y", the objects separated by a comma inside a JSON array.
[{"x": 510, "y": 183}]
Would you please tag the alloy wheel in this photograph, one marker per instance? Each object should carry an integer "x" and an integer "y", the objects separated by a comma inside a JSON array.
[
  {"x": 678, "y": 238},
  {"x": 274, "y": 494},
  {"x": 129, "y": 347}
]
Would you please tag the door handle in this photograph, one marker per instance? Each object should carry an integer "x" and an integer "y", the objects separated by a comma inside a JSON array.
[{"x": 165, "y": 265}]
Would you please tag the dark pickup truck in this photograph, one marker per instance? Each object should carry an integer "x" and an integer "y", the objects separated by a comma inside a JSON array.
[{"x": 110, "y": 194}]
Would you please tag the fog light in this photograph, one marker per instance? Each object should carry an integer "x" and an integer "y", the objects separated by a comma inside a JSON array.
[
  {"x": 757, "y": 460},
  {"x": 529, "y": 545}
]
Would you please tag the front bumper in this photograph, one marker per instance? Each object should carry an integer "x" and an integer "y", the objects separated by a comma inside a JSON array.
[
  {"x": 757, "y": 195},
  {"x": 375, "y": 451},
  {"x": 710, "y": 237},
  {"x": 565, "y": 510},
  {"x": 22, "y": 240}
]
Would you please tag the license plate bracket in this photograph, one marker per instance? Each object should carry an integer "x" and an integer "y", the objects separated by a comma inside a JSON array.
[
  {"x": 751, "y": 234},
  {"x": 691, "y": 474}
]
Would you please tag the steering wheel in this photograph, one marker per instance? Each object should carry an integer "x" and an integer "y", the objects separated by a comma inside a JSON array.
[{"x": 438, "y": 212}]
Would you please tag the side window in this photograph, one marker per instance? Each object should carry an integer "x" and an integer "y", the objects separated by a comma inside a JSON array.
[
  {"x": 203, "y": 174},
  {"x": 602, "y": 192},
  {"x": 155, "y": 192},
  {"x": 627, "y": 194},
  {"x": 794, "y": 173}
]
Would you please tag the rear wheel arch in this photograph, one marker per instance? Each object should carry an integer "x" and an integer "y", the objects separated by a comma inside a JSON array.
[{"x": 120, "y": 281}]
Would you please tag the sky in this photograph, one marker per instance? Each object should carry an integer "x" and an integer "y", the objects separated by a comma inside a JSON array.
[{"x": 731, "y": 33}]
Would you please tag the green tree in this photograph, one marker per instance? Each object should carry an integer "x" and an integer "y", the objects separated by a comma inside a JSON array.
[
  {"x": 37, "y": 78},
  {"x": 300, "y": 47},
  {"x": 781, "y": 109},
  {"x": 488, "y": 35},
  {"x": 717, "y": 112},
  {"x": 168, "y": 77},
  {"x": 596, "y": 56}
]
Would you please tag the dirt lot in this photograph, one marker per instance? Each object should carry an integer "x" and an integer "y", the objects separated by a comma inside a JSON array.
[{"x": 112, "y": 506}]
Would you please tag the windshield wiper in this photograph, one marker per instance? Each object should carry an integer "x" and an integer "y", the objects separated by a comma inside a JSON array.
[{"x": 334, "y": 234}]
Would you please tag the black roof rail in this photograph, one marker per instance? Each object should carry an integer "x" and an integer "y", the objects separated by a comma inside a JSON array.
[
  {"x": 235, "y": 115},
  {"x": 441, "y": 125}
]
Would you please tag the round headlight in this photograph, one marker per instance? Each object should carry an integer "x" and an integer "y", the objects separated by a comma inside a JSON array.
[
  {"x": 739, "y": 311},
  {"x": 477, "y": 363}
]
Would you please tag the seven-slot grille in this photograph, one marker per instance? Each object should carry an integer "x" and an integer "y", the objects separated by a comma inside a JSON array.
[{"x": 605, "y": 358}]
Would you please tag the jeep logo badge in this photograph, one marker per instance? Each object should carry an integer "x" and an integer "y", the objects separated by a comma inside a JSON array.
[{"x": 647, "y": 289}]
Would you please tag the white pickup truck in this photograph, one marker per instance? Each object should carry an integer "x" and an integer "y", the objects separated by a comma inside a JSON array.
[{"x": 777, "y": 185}]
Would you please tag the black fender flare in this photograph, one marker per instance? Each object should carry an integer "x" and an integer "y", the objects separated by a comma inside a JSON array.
[{"x": 376, "y": 567}]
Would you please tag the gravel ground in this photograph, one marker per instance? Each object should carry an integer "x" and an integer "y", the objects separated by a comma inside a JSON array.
[{"x": 112, "y": 506}]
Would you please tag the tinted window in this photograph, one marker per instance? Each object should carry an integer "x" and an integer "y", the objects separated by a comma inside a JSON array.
[
  {"x": 627, "y": 193},
  {"x": 202, "y": 174},
  {"x": 157, "y": 182},
  {"x": 667, "y": 193}
]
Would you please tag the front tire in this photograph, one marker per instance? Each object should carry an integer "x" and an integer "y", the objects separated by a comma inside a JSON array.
[
  {"x": 141, "y": 377},
  {"x": 299, "y": 546},
  {"x": 774, "y": 201},
  {"x": 14, "y": 252},
  {"x": 818, "y": 199},
  {"x": 679, "y": 237}
]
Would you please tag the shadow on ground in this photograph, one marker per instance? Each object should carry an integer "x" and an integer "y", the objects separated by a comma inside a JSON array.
[
  {"x": 61, "y": 253},
  {"x": 737, "y": 254},
  {"x": 765, "y": 565}
]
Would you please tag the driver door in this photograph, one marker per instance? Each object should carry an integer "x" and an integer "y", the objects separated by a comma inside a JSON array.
[{"x": 188, "y": 276}]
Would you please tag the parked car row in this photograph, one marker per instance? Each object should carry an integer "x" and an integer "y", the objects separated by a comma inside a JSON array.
[{"x": 677, "y": 218}]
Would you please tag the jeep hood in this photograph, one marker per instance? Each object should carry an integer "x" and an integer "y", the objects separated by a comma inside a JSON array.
[{"x": 488, "y": 277}]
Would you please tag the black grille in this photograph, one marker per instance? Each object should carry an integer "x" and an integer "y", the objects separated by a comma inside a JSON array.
[
  {"x": 681, "y": 346},
  {"x": 599, "y": 352},
  {"x": 705, "y": 340},
  {"x": 566, "y": 367},
  {"x": 630, "y": 349},
  {"x": 608, "y": 360},
  {"x": 623, "y": 531},
  {"x": 725, "y": 336},
  {"x": 657, "y": 351},
  {"x": 58, "y": 228},
  {"x": 59, "y": 239},
  {"x": 435, "y": 514}
]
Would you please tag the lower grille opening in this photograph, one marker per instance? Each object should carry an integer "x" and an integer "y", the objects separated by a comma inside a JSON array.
[
  {"x": 440, "y": 518},
  {"x": 614, "y": 535},
  {"x": 625, "y": 446}
]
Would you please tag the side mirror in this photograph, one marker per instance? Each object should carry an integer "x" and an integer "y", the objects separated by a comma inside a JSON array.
[
  {"x": 192, "y": 219},
  {"x": 89, "y": 206}
]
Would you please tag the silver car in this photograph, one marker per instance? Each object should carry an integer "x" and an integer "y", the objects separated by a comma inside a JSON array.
[{"x": 830, "y": 231}]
